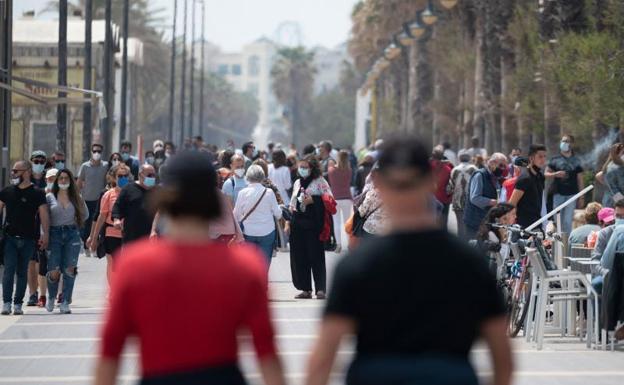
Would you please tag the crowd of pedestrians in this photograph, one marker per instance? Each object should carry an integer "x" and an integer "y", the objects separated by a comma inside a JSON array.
[{"x": 200, "y": 216}]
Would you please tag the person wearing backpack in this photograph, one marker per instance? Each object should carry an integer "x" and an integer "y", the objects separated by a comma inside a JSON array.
[{"x": 236, "y": 183}]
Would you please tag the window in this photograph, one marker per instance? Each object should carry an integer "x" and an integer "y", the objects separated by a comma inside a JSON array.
[
  {"x": 236, "y": 69},
  {"x": 223, "y": 69},
  {"x": 254, "y": 66}
]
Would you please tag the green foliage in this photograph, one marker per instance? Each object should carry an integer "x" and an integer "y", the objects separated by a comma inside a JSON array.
[
  {"x": 331, "y": 116},
  {"x": 588, "y": 70}
]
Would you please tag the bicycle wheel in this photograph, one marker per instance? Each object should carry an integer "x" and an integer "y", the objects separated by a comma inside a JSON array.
[{"x": 520, "y": 307}]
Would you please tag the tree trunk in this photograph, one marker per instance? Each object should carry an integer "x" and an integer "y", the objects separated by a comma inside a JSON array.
[
  {"x": 478, "y": 119},
  {"x": 508, "y": 130}
]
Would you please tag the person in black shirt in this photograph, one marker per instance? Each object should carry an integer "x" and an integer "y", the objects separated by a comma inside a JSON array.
[
  {"x": 528, "y": 194},
  {"x": 38, "y": 261},
  {"x": 23, "y": 202},
  {"x": 132, "y": 206},
  {"x": 411, "y": 327}
]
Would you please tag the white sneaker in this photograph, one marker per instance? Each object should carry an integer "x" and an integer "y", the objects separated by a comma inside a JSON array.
[
  {"x": 338, "y": 249},
  {"x": 6, "y": 308},
  {"x": 50, "y": 304},
  {"x": 87, "y": 253},
  {"x": 65, "y": 308},
  {"x": 17, "y": 310}
]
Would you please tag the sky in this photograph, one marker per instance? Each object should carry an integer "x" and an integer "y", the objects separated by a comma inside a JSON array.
[{"x": 231, "y": 24}]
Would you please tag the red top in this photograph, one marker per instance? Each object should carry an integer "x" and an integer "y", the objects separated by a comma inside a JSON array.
[
  {"x": 509, "y": 185},
  {"x": 186, "y": 304},
  {"x": 340, "y": 182},
  {"x": 442, "y": 171}
]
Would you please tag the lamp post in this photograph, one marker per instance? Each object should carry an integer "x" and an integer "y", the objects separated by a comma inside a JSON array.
[
  {"x": 203, "y": 70},
  {"x": 429, "y": 15},
  {"x": 86, "y": 114},
  {"x": 108, "y": 76},
  {"x": 192, "y": 71},
  {"x": 183, "y": 86},
  {"x": 124, "y": 72},
  {"x": 172, "y": 72},
  {"x": 61, "y": 109}
]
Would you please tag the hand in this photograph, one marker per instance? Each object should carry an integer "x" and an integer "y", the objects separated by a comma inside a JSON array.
[
  {"x": 308, "y": 200},
  {"x": 117, "y": 224},
  {"x": 287, "y": 228},
  {"x": 153, "y": 235},
  {"x": 561, "y": 174},
  {"x": 43, "y": 242}
]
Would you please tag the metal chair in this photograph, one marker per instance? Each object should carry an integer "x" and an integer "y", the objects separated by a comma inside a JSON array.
[{"x": 574, "y": 287}]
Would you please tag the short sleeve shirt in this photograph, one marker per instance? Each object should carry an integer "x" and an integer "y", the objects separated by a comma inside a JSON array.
[
  {"x": 94, "y": 178},
  {"x": 106, "y": 209},
  {"x": 396, "y": 314},
  {"x": 22, "y": 206},
  {"x": 233, "y": 186},
  {"x": 530, "y": 205},
  {"x": 572, "y": 166}
]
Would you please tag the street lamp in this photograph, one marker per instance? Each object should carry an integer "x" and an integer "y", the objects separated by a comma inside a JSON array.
[
  {"x": 448, "y": 4},
  {"x": 404, "y": 37},
  {"x": 416, "y": 28},
  {"x": 392, "y": 51},
  {"x": 429, "y": 16}
]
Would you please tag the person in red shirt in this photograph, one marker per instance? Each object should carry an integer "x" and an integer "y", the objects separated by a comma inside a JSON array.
[
  {"x": 442, "y": 172},
  {"x": 510, "y": 184},
  {"x": 187, "y": 328}
]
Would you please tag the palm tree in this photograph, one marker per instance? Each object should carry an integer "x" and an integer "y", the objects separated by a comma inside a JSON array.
[{"x": 293, "y": 81}]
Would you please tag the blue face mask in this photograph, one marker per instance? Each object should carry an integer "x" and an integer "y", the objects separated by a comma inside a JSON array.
[
  {"x": 38, "y": 168},
  {"x": 125, "y": 156},
  {"x": 304, "y": 172},
  {"x": 122, "y": 181},
  {"x": 149, "y": 182},
  {"x": 564, "y": 146},
  {"x": 60, "y": 165}
]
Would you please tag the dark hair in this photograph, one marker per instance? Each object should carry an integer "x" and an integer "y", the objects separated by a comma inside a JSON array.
[
  {"x": 535, "y": 148},
  {"x": 309, "y": 149},
  {"x": 198, "y": 138},
  {"x": 97, "y": 145},
  {"x": 170, "y": 144},
  {"x": 110, "y": 159},
  {"x": 246, "y": 147},
  {"x": 446, "y": 145},
  {"x": 569, "y": 136},
  {"x": 150, "y": 152},
  {"x": 279, "y": 159},
  {"x": 327, "y": 145},
  {"x": 475, "y": 140},
  {"x": 404, "y": 153},
  {"x": 58, "y": 152},
  {"x": 496, "y": 212},
  {"x": 315, "y": 167},
  {"x": 126, "y": 143},
  {"x": 226, "y": 158},
  {"x": 74, "y": 196},
  {"x": 189, "y": 188},
  {"x": 619, "y": 204}
]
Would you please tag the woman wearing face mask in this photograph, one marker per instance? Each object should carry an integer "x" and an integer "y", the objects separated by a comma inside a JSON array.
[
  {"x": 112, "y": 237},
  {"x": 614, "y": 173},
  {"x": 114, "y": 160},
  {"x": 307, "y": 252},
  {"x": 68, "y": 212}
]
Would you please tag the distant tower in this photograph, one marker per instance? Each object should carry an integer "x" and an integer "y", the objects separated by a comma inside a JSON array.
[{"x": 289, "y": 34}]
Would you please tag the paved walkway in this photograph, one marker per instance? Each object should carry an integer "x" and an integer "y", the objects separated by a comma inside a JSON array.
[{"x": 40, "y": 348}]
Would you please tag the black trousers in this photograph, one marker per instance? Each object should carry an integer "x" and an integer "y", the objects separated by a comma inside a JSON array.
[
  {"x": 220, "y": 375},
  {"x": 307, "y": 255}
]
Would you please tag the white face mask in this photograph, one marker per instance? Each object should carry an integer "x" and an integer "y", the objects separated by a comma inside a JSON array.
[
  {"x": 16, "y": 181},
  {"x": 115, "y": 163},
  {"x": 96, "y": 156},
  {"x": 63, "y": 186},
  {"x": 239, "y": 172},
  {"x": 49, "y": 186}
]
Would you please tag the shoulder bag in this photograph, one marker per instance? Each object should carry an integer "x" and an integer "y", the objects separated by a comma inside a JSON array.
[{"x": 242, "y": 226}]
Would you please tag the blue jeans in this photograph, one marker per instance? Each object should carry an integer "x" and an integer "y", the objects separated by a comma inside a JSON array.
[
  {"x": 64, "y": 250},
  {"x": 265, "y": 244},
  {"x": 567, "y": 214},
  {"x": 17, "y": 254}
]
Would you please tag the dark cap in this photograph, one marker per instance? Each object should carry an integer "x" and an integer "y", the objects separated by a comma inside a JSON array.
[
  {"x": 405, "y": 153},
  {"x": 521, "y": 161}
]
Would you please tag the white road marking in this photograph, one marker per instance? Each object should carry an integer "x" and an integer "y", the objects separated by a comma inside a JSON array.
[{"x": 62, "y": 323}]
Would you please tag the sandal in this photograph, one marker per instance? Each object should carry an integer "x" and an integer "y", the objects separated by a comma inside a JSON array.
[{"x": 304, "y": 295}]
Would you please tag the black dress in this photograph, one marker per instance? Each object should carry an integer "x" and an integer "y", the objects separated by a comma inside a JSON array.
[{"x": 307, "y": 251}]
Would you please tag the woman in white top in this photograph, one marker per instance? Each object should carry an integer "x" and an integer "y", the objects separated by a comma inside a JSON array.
[
  {"x": 280, "y": 175},
  {"x": 256, "y": 210}
]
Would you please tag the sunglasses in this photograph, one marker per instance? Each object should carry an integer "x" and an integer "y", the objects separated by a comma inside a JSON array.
[
  {"x": 121, "y": 175},
  {"x": 97, "y": 151},
  {"x": 36, "y": 161},
  {"x": 15, "y": 171},
  {"x": 150, "y": 176}
]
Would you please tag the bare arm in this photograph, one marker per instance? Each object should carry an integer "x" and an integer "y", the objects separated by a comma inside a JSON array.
[
  {"x": 271, "y": 370},
  {"x": 495, "y": 335},
  {"x": 154, "y": 232},
  {"x": 106, "y": 371},
  {"x": 44, "y": 216},
  {"x": 516, "y": 196},
  {"x": 323, "y": 355}
]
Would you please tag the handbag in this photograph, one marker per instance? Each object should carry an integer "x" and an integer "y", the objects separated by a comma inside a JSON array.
[
  {"x": 242, "y": 226},
  {"x": 359, "y": 221}
]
